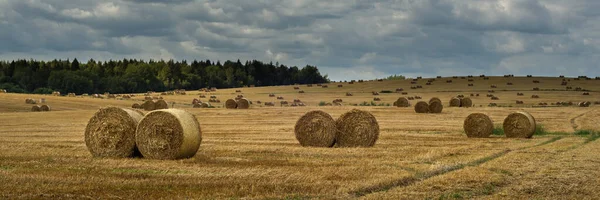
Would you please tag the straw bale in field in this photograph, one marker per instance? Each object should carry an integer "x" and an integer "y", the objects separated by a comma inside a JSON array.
[
  {"x": 168, "y": 134},
  {"x": 519, "y": 125},
  {"x": 356, "y": 128},
  {"x": 478, "y": 125},
  {"x": 316, "y": 129}
]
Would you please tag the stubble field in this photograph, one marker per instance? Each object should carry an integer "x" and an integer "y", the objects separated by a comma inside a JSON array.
[{"x": 253, "y": 154}]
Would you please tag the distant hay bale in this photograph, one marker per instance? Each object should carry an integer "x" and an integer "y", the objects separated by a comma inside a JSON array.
[
  {"x": 36, "y": 108},
  {"x": 231, "y": 104},
  {"x": 454, "y": 102},
  {"x": 436, "y": 107},
  {"x": 356, "y": 128},
  {"x": 434, "y": 99},
  {"x": 136, "y": 105},
  {"x": 466, "y": 102},
  {"x": 111, "y": 132},
  {"x": 519, "y": 125},
  {"x": 148, "y": 105},
  {"x": 45, "y": 108},
  {"x": 421, "y": 107},
  {"x": 478, "y": 125},
  {"x": 243, "y": 104},
  {"x": 161, "y": 104},
  {"x": 197, "y": 105},
  {"x": 402, "y": 102},
  {"x": 206, "y": 105},
  {"x": 316, "y": 129},
  {"x": 168, "y": 134}
]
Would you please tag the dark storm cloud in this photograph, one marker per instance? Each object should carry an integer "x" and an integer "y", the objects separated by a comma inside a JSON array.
[{"x": 349, "y": 39}]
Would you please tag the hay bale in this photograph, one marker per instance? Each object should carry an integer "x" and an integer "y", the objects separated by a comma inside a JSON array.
[
  {"x": 435, "y": 99},
  {"x": 478, "y": 125},
  {"x": 402, "y": 102},
  {"x": 168, "y": 134},
  {"x": 197, "y": 105},
  {"x": 466, "y": 102},
  {"x": 136, "y": 105},
  {"x": 36, "y": 108},
  {"x": 454, "y": 102},
  {"x": 519, "y": 125},
  {"x": 231, "y": 104},
  {"x": 421, "y": 107},
  {"x": 316, "y": 129},
  {"x": 111, "y": 132},
  {"x": 148, "y": 105},
  {"x": 356, "y": 128},
  {"x": 160, "y": 104},
  {"x": 45, "y": 108},
  {"x": 436, "y": 107},
  {"x": 205, "y": 105},
  {"x": 243, "y": 104}
]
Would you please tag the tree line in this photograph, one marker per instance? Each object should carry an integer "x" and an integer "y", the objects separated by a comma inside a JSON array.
[{"x": 137, "y": 76}]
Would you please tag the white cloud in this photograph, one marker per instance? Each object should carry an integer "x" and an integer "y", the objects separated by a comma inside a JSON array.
[{"x": 351, "y": 38}]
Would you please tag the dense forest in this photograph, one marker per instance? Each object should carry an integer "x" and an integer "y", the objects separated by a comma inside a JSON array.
[{"x": 135, "y": 76}]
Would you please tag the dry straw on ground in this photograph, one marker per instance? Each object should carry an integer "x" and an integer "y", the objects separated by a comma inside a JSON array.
[
  {"x": 478, "y": 125},
  {"x": 519, "y": 125},
  {"x": 161, "y": 104},
  {"x": 466, "y": 102},
  {"x": 315, "y": 129},
  {"x": 168, "y": 134},
  {"x": 402, "y": 102},
  {"x": 454, "y": 102},
  {"x": 436, "y": 107},
  {"x": 45, "y": 108},
  {"x": 243, "y": 104},
  {"x": 356, "y": 128},
  {"x": 36, "y": 108},
  {"x": 421, "y": 107},
  {"x": 231, "y": 104},
  {"x": 148, "y": 105},
  {"x": 111, "y": 132}
]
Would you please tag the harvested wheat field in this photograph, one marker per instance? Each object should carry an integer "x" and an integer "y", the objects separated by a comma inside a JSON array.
[{"x": 254, "y": 153}]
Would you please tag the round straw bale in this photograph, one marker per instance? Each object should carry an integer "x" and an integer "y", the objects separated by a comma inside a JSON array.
[
  {"x": 205, "y": 105},
  {"x": 243, "y": 104},
  {"x": 161, "y": 104},
  {"x": 436, "y": 107},
  {"x": 519, "y": 125},
  {"x": 231, "y": 104},
  {"x": 478, "y": 125},
  {"x": 454, "y": 102},
  {"x": 136, "y": 105},
  {"x": 356, "y": 128},
  {"x": 111, "y": 132},
  {"x": 148, "y": 105},
  {"x": 402, "y": 102},
  {"x": 45, "y": 108},
  {"x": 316, "y": 129},
  {"x": 168, "y": 134},
  {"x": 466, "y": 102},
  {"x": 36, "y": 108},
  {"x": 421, "y": 107},
  {"x": 198, "y": 105},
  {"x": 435, "y": 99}
]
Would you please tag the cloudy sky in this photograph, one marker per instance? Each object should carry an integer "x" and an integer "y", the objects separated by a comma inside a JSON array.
[{"x": 346, "y": 39}]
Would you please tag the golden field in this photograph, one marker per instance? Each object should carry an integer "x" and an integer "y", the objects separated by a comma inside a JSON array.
[{"x": 253, "y": 154}]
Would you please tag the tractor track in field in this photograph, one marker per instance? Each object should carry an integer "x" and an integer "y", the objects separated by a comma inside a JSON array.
[
  {"x": 407, "y": 181},
  {"x": 575, "y": 125}
]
